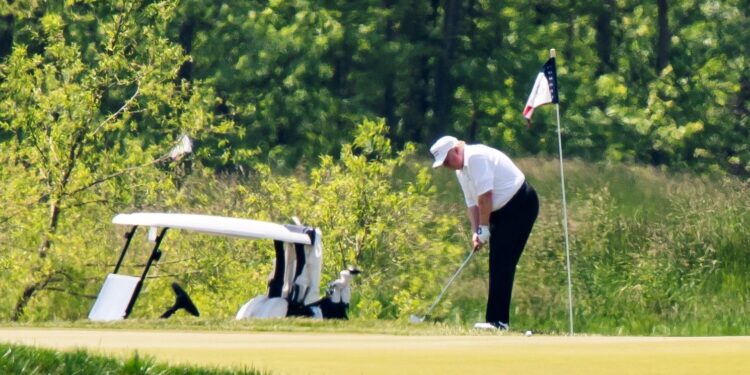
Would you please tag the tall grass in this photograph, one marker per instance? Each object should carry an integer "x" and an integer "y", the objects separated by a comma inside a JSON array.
[
  {"x": 24, "y": 360},
  {"x": 651, "y": 253}
]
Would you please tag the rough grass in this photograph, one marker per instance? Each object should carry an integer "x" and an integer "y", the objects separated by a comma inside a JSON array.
[
  {"x": 24, "y": 360},
  {"x": 652, "y": 253}
]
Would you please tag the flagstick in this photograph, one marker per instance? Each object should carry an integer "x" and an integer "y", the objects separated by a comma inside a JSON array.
[
  {"x": 565, "y": 223},
  {"x": 564, "y": 211}
]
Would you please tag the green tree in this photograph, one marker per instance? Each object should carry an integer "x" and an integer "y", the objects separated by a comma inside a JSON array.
[
  {"x": 88, "y": 98},
  {"x": 375, "y": 213},
  {"x": 265, "y": 62}
]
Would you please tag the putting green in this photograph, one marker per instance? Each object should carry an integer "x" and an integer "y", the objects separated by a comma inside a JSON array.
[{"x": 309, "y": 353}]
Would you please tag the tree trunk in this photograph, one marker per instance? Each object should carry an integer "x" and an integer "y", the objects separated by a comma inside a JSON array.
[
  {"x": 6, "y": 35},
  {"x": 443, "y": 81},
  {"x": 604, "y": 17},
  {"x": 29, "y": 292},
  {"x": 418, "y": 87},
  {"x": 471, "y": 32},
  {"x": 51, "y": 229},
  {"x": 389, "y": 91},
  {"x": 187, "y": 34},
  {"x": 662, "y": 48}
]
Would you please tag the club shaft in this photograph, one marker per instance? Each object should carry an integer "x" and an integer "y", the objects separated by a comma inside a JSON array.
[{"x": 450, "y": 281}]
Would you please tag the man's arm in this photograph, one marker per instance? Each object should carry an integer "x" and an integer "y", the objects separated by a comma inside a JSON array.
[
  {"x": 473, "y": 213},
  {"x": 480, "y": 213},
  {"x": 482, "y": 219},
  {"x": 485, "y": 208}
]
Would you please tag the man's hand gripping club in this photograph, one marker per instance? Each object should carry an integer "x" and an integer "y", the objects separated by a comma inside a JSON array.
[{"x": 481, "y": 236}]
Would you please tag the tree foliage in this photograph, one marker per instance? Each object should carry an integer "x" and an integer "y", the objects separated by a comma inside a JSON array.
[
  {"x": 663, "y": 83},
  {"x": 81, "y": 116}
]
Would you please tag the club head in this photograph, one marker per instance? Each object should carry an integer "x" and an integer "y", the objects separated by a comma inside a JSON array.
[{"x": 416, "y": 319}]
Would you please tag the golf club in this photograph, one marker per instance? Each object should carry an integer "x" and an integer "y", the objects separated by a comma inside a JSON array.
[
  {"x": 183, "y": 147},
  {"x": 419, "y": 319}
]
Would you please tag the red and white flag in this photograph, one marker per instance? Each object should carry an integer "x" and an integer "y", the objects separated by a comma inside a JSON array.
[{"x": 545, "y": 89}]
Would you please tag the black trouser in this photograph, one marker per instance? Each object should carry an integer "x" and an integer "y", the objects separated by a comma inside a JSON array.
[{"x": 510, "y": 227}]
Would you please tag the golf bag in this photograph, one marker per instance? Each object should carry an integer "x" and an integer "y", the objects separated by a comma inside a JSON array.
[{"x": 336, "y": 302}]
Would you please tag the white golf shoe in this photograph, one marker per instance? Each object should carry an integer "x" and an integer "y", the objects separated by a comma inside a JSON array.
[{"x": 492, "y": 326}]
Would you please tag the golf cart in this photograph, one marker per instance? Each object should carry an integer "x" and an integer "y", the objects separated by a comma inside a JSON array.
[{"x": 293, "y": 288}]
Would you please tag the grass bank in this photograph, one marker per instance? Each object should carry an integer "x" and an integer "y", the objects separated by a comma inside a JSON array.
[
  {"x": 24, "y": 360},
  {"x": 345, "y": 353}
]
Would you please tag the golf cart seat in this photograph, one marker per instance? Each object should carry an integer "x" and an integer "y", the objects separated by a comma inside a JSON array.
[{"x": 293, "y": 287}]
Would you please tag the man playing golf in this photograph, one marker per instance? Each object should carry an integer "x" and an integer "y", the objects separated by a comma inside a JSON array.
[{"x": 502, "y": 208}]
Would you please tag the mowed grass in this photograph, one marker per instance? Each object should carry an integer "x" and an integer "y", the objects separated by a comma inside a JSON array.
[
  {"x": 173, "y": 351},
  {"x": 181, "y": 321}
]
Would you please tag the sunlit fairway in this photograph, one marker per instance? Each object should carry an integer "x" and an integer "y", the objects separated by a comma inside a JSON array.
[{"x": 308, "y": 348}]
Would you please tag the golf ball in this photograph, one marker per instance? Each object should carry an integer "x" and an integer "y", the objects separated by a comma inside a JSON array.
[{"x": 528, "y": 333}]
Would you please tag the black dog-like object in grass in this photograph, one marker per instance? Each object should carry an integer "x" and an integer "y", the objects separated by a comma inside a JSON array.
[{"x": 182, "y": 301}]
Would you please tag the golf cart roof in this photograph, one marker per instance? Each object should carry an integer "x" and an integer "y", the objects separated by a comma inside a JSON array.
[{"x": 220, "y": 225}]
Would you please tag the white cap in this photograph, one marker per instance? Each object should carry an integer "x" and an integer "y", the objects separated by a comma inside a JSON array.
[{"x": 440, "y": 149}]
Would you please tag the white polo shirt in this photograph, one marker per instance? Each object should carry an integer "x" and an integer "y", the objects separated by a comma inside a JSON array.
[{"x": 485, "y": 169}]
